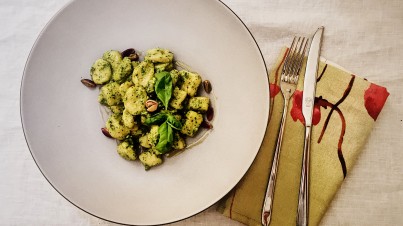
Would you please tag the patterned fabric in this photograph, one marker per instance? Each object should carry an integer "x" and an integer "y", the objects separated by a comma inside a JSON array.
[{"x": 346, "y": 107}]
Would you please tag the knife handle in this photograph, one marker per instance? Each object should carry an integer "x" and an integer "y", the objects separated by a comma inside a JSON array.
[{"x": 303, "y": 198}]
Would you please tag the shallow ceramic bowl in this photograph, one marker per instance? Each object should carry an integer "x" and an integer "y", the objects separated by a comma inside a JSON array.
[{"x": 61, "y": 118}]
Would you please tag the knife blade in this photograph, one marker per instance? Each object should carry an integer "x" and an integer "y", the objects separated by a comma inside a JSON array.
[
  {"x": 312, "y": 64},
  {"x": 308, "y": 100}
]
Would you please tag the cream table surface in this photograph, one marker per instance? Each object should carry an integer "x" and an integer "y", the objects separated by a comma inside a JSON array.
[{"x": 365, "y": 37}]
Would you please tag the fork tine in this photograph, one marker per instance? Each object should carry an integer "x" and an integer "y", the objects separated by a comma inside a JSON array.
[
  {"x": 289, "y": 61},
  {"x": 294, "y": 54},
  {"x": 298, "y": 60},
  {"x": 294, "y": 59},
  {"x": 288, "y": 57},
  {"x": 302, "y": 55},
  {"x": 297, "y": 57}
]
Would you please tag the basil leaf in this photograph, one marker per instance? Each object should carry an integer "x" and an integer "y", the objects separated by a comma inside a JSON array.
[
  {"x": 166, "y": 138},
  {"x": 163, "y": 87},
  {"x": 156, "y": 119},
  {"x": 174, "y": 123}
]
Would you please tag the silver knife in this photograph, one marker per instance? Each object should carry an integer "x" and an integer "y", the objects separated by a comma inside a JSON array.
[{"x": 308, "y": 99}]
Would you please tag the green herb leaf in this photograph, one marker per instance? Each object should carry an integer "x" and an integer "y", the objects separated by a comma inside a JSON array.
[
  {"x": 166, "y": 138},
  {"x": 163, "y": 87},
  {"x": 174, "y": 123},
  {"x": 156, "y": 119}
]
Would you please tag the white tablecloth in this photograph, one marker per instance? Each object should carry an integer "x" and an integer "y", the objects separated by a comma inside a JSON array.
[{"x": 366, "y": 37}]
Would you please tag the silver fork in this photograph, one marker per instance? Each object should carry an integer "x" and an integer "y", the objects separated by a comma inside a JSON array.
[{"x": 288, "y": 84}]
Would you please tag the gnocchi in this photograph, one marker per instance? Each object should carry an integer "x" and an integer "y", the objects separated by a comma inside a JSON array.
[{"x": 154, "y": 105}]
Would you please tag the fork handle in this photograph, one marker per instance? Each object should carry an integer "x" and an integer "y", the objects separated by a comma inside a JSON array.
[
  {"x": 268, "y": 201},
  {"x": 303, "y": 198}
]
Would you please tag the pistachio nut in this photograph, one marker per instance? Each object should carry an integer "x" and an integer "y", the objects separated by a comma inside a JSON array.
[
  {"x": 207, "y": 86},
  {"x": 88, "y": 83},
  {"x": 210, "y": 113},
  {"x": 151, "y": 105},
  {"x": 131, "y": 54},
  {"x": 206, "y": 125},
  {"x": 106, "y": 132}
]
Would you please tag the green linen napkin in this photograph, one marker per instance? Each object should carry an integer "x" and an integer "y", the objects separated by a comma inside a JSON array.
[{"x": 346, "y": 107}]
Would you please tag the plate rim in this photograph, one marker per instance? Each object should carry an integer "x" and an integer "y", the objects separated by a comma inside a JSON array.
[{"x": 266, "y": 120}]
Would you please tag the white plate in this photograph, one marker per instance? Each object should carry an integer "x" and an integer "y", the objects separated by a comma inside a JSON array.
[{"x": 62, "y": 123}]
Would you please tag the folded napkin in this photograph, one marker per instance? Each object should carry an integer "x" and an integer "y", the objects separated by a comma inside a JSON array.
[{"x": 346, "y": 107}]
